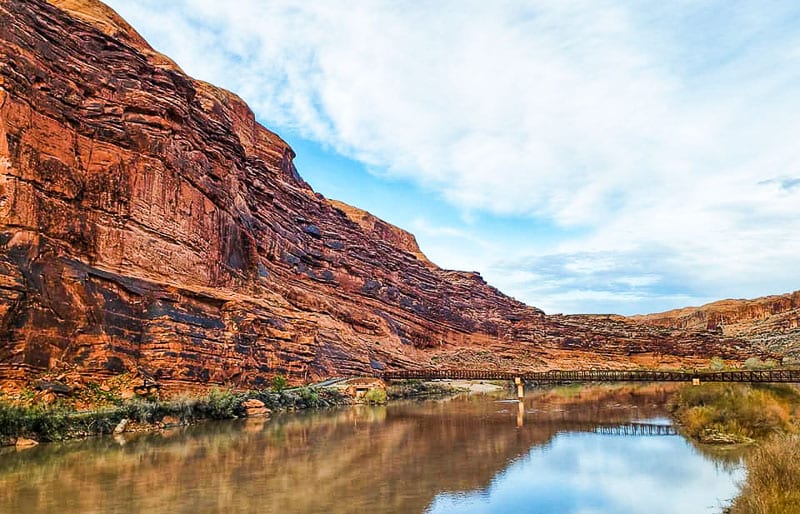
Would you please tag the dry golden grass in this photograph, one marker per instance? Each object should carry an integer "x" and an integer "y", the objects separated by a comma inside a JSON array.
[
  {"x": 740, "y": 411},
  {"x": 773, "y": 479}
]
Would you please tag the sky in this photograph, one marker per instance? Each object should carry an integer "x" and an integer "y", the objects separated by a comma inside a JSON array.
[{"x": 583, "y": 156}]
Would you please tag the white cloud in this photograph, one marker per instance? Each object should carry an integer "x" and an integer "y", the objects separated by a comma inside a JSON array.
[{"x": 632, "y": 121}]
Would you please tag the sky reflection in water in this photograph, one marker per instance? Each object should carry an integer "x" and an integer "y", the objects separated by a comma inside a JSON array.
[{"x": 581, "y": 473}]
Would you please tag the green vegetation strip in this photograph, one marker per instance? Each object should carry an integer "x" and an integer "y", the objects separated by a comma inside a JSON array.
[{"x": 57, "y": 422}]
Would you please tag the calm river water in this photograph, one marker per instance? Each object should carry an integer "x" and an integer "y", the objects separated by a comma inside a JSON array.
[{"x": 572, "y": 450}]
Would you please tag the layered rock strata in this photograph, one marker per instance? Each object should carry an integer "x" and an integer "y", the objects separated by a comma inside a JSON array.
[
  {"x": 149, "y": 224},
  {"x": 771, "y": 322}
]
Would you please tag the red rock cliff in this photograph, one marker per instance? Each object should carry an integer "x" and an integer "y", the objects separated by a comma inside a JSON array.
[
  {"x": 148, "y": 222},
  {"x": 772, "y": 322}
]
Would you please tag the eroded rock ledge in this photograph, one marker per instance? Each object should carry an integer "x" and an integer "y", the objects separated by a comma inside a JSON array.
[{"x": 771, "y": 322}]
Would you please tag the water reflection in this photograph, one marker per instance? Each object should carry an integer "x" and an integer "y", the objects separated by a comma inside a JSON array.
[
  {"x": 466, "y": 455},
  {"x": 591, "y": 473}
]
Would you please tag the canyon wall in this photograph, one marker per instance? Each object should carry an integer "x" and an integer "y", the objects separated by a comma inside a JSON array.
[
  {"x": 771, "y": 322},
  {"x": 149, "y": 224}
]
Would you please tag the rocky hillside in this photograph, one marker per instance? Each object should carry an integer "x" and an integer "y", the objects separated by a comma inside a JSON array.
[
  {"x": 149, "y": 224},
  {"x": 772, "y": 322}
]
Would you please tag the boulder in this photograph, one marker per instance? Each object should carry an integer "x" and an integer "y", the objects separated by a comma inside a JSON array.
[
  {"x": 23, "y": 442},
  {"x": 170, "y": 422},
  {"x": 121, "y": 426},
  {"x": 52, "y": 386},
  {"x": 255, "y": 408}
]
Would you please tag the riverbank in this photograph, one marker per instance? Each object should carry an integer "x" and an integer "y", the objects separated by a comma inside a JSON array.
[
  {"x": 425, "y": 390},
  {"x": 765, "y": 416},
  {"x": 736, "y": 413},
  {"x": 773, "y": 478},
  {"x": 26, "y": 425}
]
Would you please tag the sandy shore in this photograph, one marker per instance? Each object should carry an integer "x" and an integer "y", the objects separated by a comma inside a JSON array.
[{"x": 474, "y": 386}]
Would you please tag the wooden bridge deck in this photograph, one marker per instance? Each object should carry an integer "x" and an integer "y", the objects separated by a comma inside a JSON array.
[{"x": 562, "y": 376}]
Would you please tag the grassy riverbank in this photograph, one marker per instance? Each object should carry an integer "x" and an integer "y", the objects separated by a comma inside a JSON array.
[
  {"x": 768, "y": 416},
  {"x": 60, "y": 421},
  {"x": 773, "y": 478},
  {"x": 735, "y": 413}
]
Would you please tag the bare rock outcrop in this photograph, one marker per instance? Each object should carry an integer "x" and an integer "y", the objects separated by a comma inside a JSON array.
[{"x": 771, "y": 322}]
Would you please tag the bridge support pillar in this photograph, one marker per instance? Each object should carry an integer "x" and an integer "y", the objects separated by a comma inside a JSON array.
[{"x": 520, "y": 389}]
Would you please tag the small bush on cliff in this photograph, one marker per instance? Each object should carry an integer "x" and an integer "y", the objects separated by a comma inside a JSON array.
[
  {"x": 716, "y": 364},
  {"x": 790, "y": 362},
  {"x": 279, "y": 383},
  {"x": 755, "y": 363},
  {"x": 96, "y": 396}
]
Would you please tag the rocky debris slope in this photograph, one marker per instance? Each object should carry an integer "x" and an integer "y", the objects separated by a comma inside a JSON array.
[
  {"x": 771, "y": 322},
  {"x": 149, "y": 224}
]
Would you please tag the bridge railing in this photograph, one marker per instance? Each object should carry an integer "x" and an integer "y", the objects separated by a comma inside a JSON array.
[{"x": 560, "y": 376}]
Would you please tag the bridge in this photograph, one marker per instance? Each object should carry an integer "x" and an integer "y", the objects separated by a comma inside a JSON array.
[
  {"x": 564, "y": 376},
  {"x": 628, "y": 429}
]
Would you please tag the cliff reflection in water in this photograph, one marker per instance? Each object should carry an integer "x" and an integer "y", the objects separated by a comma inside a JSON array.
[{"x": 438, "y": 456}]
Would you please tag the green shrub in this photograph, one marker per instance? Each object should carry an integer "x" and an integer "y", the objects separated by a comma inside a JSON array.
[
  {"x": 310, "y": 397},
  {"x": 790, "y": 362},
  {"x": 184, "y": 408},
  {"x": 11, "y": 422},
  {"x": 142, "y": 411},
  {"x": 220, "y": 404},
  {"x": 716, "y": 364},
  {"x": 375, "y": 396},
  {"x": 47, "y": 423},
  {"x": 279, "y": 383}
]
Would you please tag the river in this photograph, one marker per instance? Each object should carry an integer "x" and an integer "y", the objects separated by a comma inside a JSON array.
[{"x": 598, "y": 450}]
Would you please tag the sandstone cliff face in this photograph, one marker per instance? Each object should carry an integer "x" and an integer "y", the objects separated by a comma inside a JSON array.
[
  {"x": 771, "y": 322},
  {"x": 148, "y": 223}
]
